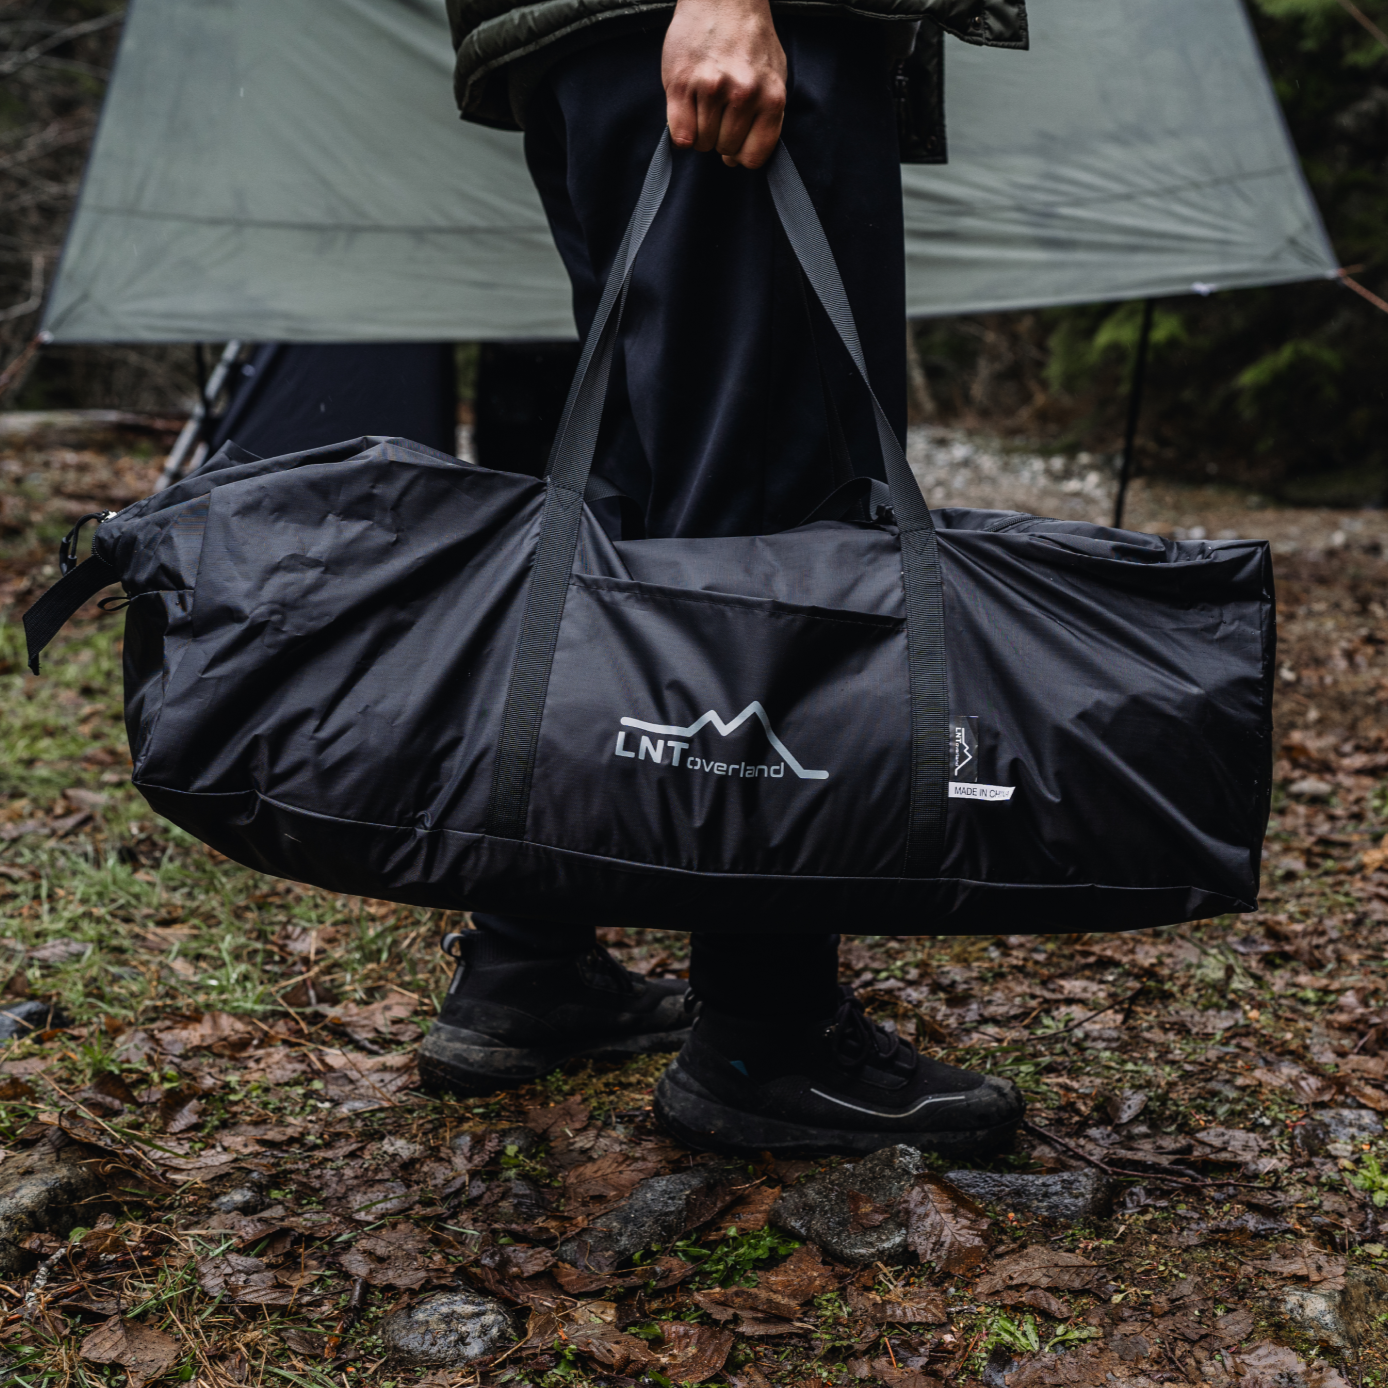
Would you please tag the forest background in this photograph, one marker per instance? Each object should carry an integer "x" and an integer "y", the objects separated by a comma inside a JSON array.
[{"x": 1282, "y": 390}]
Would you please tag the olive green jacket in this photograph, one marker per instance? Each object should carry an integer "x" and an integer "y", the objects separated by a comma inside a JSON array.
[{"x": 490, "y": 35}]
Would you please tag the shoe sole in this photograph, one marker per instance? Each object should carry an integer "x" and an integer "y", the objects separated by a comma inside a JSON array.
[
  {"x": 470, "y": 1064},
  {"x": 688, "y": 1111}
]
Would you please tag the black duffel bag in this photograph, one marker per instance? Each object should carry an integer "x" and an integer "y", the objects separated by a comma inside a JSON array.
[{"x": 386, "y": 672}]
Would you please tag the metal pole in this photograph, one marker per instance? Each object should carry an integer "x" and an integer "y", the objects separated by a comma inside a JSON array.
[
  {"x": 192, "y": 431},
  {"x": 1134, "y": 407}
]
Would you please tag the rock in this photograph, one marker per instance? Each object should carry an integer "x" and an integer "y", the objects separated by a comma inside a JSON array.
[
  {"x": 1311, "y": 788},
  {"x": 242, "y": 1200},
  {"x": 524, "y": 1140},
  {"x": 1326, "y": 1125},
  {"x": 1347, "y": 1124},
  {"x": 1062, "y": 1195},
  {"x": 39, "y": 1193},
  {"x": 819, "y": 1209},
  {"x": 447, "y": 1329},
  {"x": 25, "y": 1018},
  {"x": 1345, "y": 1319},
  {"x": 656, "y": 1213}
]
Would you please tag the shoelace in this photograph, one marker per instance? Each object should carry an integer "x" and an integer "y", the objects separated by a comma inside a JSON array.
[{"x": 859, "y": 1041}]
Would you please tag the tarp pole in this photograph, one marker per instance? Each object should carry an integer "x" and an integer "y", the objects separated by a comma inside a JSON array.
[
  {"x": 193, "y": 430},
  {"x": 1134, "y": 407}
]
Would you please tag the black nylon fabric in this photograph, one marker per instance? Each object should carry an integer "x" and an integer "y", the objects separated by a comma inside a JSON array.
[
  {"x": 378, "y": 669},
  {"x": 318, "y": 657}
]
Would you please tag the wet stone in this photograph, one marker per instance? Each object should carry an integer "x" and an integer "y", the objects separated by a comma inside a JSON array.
[
  {"x": 1325, "y": 1126},
  {"x": 40, "y": 1191},
  {"x": 1068, "y": 1196},
  {"x": 447, "y": 1329},
  {"x": 25, "y": 1018},
  {"x": 1346, "y": 1319},
  {"x": 656, "y": 1213},
  {"x": 818, "y": 1210},
  {"x": 242, "y": 1200}
]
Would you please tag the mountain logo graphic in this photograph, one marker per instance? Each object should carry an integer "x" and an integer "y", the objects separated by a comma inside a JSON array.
[{"x": 753, "y": 710}]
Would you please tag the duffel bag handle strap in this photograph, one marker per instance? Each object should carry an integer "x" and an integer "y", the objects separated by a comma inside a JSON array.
[
  {"x": 922, "y": 582},
  {"x": 571, "y": 461}
]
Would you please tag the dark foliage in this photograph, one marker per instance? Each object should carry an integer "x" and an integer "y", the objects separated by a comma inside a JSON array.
[
  {"x": 1282, "y": 389},
  {"x": 55, "y": 58}
]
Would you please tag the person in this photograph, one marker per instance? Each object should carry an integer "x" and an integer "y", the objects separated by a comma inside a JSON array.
[{"x": 732, "y": 410}]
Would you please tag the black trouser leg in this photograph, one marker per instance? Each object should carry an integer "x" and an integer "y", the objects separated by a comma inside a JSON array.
[
  {"x": 716, "y": 422},
  {"x": 512, "y": 938},
  {"x": 771, "y": 978}
]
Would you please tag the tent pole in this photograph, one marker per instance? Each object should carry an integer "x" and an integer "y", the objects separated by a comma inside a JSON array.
[
  {"x": 197, "y": 421},
  {"x": 1134, "y": 406}
]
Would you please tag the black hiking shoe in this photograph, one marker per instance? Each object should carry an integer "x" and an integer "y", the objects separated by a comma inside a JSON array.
[
  {"x": 842, "y": 1085},
  {"x": 506, "y": 1021}
]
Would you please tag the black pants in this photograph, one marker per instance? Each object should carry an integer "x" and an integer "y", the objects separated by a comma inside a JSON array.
[{"x": 733, "y": 409}]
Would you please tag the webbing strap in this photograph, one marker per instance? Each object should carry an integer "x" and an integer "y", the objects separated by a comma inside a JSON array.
[
  {"x": 920, "y": 557},
  {"x": 571, "y": 460},
  {"x": 569, "y": 464},
  {"x": 44, "y": 620}
]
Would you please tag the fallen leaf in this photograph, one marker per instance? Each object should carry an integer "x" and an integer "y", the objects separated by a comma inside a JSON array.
[
  {"x": 896, "y": 1376},
  {"x": 611, "y": 1176},
  {"x": 388, "y": 1017},
  {"x": 306, "y": 1342},
  {"x": 218, "y": 1032},
  {"x": 567, "y": 1117},
  {"x": 1236, "y": 1326},
  {"x": 943, "y": 1226},
  {"x": 1039, "y": 1266},
  {"x": 1038, "y": 1300},
  {"x": 611, "y": 1347},
  {"x": 141, "y": 1350},
  {"x": 800, "y": 1277},
  {"x": 1275, "y": 1366},
  {"x": 401, "y": 1256},
  {"x": 864, "y": 1212},
  {"x": 1326, "y": 1270},
  {"x": 518, "y": 1259},
  {"x": 718, "y": 1301},
  {"x": 1367, "y": 1095},
  {"x": 749, "y": 1376},
  {"x": 752, "y": 1210},
  {"x": 910, "y": 1306},
  {"x": 692, "y": 1353},
  {"x": 1227, "y": 1144}
]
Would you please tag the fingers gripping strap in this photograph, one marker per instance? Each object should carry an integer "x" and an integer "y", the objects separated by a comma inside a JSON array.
[
  {"x": 920, "y": 559},
  {"x": 570, "y": 463}
]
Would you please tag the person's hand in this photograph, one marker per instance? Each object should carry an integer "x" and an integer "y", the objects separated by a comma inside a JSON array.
[{"x": 724, "y": 72}]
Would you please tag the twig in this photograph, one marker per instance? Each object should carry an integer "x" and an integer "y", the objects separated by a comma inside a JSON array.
[
  {"x": 1351, "y": 283},
  {"x": 1351, "y": 8},
  {"x": 1200, "y": 1182},
  {"x": 1112, "y": 1007},
  {"x": 356, "y": 1304},
  {"x": 41, "y": 1275}
]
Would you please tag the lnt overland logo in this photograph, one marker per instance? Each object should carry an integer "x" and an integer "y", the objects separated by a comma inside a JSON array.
[{"x": 659, "y": 738}]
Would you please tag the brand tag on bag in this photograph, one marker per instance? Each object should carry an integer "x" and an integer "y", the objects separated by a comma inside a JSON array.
[
  {"x": 963, "y": 749},
  {"x": 963, "y": 764},
  {"x": 973, "y": 790}
]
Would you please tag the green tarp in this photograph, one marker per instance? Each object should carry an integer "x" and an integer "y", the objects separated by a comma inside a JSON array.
[{"x": 294, "y": 170}]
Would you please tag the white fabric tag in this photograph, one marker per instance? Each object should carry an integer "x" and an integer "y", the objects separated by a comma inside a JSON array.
[{"x": 968, "y": 790}]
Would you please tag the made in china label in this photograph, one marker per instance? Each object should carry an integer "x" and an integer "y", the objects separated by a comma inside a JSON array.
[{"x": 975, "y": 790}]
